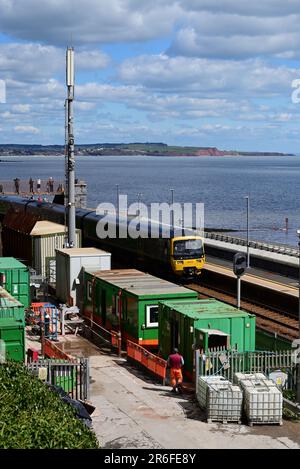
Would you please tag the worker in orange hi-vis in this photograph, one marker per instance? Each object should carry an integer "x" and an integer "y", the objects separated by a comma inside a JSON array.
[{"x": 175, "y": 363}]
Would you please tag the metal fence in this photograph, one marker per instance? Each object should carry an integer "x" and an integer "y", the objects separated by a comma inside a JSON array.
[
  {"x": 277, "y": 248},
  {"x": 226, "y": 363},
  {"x": 73, "y": 376}
]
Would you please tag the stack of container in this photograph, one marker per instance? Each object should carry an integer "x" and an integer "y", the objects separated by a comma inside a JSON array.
[
  {"x": 263, "y": 401},
  {"x": 221, "y": 400},
  {"x": 12, "y": 327}
]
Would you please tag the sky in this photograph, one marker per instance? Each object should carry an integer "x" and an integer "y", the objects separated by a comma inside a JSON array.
[{"x": 187, "y": 72}]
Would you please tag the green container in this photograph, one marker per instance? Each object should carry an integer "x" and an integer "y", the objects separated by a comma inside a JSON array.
[
  {"x": 203, "y": 324},
  {"x": 15, "y": 279},
  {"x": 12, "y": 333},
  {"x": 10, "y": 308},
  {"x": 129, "y": 298}
]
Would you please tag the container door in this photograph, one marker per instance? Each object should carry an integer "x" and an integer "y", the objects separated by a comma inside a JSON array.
[
  {"x": 103, "y": 306},
  {"x": 174, "y": 333},
  {"x": 14, "y": 343}
]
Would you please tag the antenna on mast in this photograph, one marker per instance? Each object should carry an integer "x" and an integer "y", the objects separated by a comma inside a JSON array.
[{"x": 70, "y": 155}]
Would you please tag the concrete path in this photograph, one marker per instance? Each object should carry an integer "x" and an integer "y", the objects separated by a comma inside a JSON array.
[{"x": 132, "y": 411}]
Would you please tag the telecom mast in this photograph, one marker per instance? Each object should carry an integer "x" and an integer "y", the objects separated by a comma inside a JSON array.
[{"x": 70, "y": 163}]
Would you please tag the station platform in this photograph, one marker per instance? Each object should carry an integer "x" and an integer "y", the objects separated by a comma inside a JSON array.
[{"x": 268, "y": 280}]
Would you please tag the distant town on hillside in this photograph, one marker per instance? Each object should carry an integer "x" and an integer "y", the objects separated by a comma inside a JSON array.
[{"x": 150, "y": 149}]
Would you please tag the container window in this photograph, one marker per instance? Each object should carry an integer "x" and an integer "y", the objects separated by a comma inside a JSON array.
[
  {"x": 115, "y": 305},
  {"x": 89, "y": 291},
  {"x": 152, "y": 316}
]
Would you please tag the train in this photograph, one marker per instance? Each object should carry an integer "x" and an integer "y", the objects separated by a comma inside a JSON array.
[{"x": 182, "y": 255}]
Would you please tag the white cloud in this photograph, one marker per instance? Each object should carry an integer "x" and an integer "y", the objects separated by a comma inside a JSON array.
[
  {"x": 36, "y": 62},
  {"x": 26, "y": 129},
  {"x": 206, "y": 77},
  {"x": 91, "y": 21},
  {"x": 21, "y": 108}
]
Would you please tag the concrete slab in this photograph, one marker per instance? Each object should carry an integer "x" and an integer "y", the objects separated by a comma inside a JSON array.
[{"x": 133, "y": 411}]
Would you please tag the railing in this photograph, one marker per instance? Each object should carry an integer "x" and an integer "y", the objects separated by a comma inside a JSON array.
[
  {"x": 73, "y": 376},
  {"x": 277, "y": 248},
  {"x": 111, "y": 338},
  {"x": 52, "y": 351},
  {"x": 153, "y": 363},
  {"x": 226, "y": 363}
]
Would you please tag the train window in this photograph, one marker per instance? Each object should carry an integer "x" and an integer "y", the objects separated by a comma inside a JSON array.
[
  {"x": 187, "y": 249},
  {"x": 152, "y": 316}
]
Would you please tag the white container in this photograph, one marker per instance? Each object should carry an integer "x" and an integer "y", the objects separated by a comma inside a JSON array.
[
  {"x": 221, "y": 400},
  {"x": 46, "y": 238},
  {"x": 203, "y": 382},
  {"x": 70, "y": 264},
  {"x": 263, "y": 402},
  {"x": 238, "y": 377}
]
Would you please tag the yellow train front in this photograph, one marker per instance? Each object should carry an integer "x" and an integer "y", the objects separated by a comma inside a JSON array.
[{"x": 187, "y": 256}]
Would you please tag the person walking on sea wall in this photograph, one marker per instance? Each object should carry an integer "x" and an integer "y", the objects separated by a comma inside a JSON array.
[
  {"x": 175, "y": 363},
  {"x": 31, "y": 181},
  {"x": 51, "y": 184},
  {"x": 17, "y": 185},
  {"x": 38, "y": 184}
]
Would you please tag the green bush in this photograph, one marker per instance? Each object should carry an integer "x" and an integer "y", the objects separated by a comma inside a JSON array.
[{"x": 32, "y": 416}]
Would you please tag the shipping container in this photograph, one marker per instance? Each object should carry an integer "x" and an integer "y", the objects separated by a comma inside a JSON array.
[
  {"x": 34, "y": 241},
  {"x": 10, "y": 308},
  {"x": 221, "y": 401},
  {"x": 70, "y": 264},
  {"x": 12, "y": 340},
  {"x": 128, "y": 300},
  {"x": 46, "y": 238},
  {"x": 14, "y": 278},
  {"x": 203, "y": 324}
]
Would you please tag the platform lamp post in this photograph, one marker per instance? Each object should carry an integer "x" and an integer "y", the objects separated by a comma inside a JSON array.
[
  {"x": 118, "y": 203},
  {"x": 248, "y": 231},
  {"x": 298, "y": 358},
  {"x": 172, "y": 211}
]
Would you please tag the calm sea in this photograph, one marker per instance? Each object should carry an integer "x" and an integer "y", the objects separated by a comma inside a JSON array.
[{"x": 273, "y": 184}]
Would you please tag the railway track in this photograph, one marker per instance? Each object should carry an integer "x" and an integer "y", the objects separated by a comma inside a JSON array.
[{"x": 267, "y": 319}]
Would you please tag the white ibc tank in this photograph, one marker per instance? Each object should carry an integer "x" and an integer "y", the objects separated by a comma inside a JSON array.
[
  {"x": 221, "y": 400},
  {"x": 262, "y": 401},
  {"x": 237, "y": 377}
]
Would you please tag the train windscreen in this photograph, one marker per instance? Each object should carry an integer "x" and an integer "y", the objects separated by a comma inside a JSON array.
[{"x": 188, "y": 249}]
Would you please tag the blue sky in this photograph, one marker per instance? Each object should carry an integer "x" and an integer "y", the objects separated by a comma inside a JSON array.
[{"x": 186, "y": 72}]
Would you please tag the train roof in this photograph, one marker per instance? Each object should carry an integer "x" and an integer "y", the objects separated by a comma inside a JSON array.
[{"x": 140, "y": 284}]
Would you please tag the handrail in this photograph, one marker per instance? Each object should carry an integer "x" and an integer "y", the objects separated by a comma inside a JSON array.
[
  {"x": 282, "y": 249},
  {"x": 153, "y": 363},
  {"x": 115, "y": 336}
]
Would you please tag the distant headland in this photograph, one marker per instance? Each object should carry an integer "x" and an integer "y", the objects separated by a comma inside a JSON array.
[{"x": 148, "y": 149}]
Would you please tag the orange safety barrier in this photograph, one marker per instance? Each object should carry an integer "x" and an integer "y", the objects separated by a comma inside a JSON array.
[
  {"x": 153, "y": 363},
  {"x": 52, "y": 351},
  {"x": 114, "y": 339},
  {"x": 35, "y": 307}
]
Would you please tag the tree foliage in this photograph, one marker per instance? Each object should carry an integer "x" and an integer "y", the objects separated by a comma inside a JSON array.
[{"x": 32, "y": 416}]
